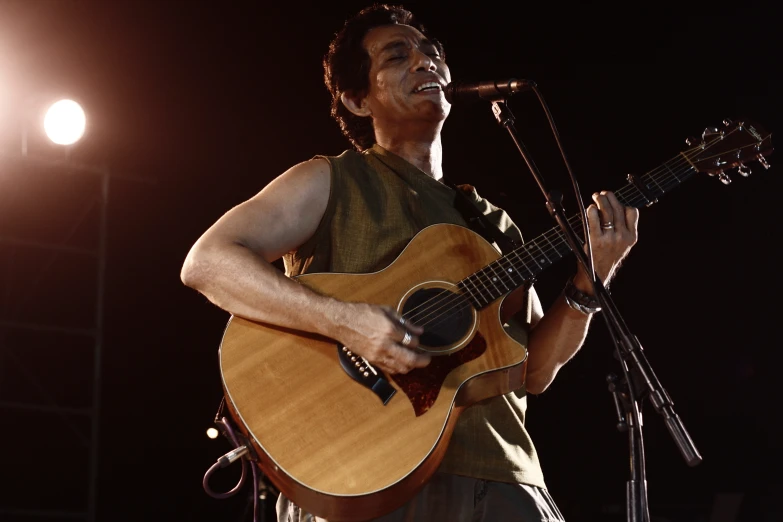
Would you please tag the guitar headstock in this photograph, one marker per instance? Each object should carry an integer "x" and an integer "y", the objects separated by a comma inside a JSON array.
[{"x": 732, "y": 146}]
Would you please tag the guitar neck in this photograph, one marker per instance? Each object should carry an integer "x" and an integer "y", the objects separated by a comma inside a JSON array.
[{"x": 523, "y": 265}]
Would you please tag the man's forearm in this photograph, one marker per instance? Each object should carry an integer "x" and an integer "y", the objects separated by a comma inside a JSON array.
[
  {"x": 553, "y": 342},
  {"x": 244, "y": 284},
  {"x": 241, "y": 282}
]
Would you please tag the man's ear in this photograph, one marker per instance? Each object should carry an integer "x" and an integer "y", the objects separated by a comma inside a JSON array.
[{"x": 356, "y": 105}]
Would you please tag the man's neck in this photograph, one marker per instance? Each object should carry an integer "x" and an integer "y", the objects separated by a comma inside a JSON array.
[{"x": 427, "y": 155}]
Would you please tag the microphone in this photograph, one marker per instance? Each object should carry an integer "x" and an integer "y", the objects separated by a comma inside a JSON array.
[{"x": 493, "y": 90}]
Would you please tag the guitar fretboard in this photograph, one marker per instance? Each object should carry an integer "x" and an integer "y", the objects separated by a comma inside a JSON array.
[{"x": 525, "y": 263}]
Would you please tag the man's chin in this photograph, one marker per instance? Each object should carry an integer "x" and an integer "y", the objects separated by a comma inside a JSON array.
[{"x": 438, "y": 109}]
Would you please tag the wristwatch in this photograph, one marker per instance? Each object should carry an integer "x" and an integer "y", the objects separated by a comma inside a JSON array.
[{"x": 580, "y": 301}]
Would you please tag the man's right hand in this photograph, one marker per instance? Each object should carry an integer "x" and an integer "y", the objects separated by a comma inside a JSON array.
[{"x": 377, "y": 333}]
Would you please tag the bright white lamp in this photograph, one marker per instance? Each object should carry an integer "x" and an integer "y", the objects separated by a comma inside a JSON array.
[{"x": 64, "y": 122}]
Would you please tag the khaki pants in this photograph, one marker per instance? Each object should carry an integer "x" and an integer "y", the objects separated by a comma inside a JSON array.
[{"x": 452, "y": 498}]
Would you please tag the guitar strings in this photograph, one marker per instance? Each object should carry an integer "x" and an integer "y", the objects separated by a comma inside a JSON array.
[
  {"x": 438, "y": 302},
  {"x": 445, "y": 298},
  {"x": 493, "y": 275},
  {"x": 663, "y": 183}
]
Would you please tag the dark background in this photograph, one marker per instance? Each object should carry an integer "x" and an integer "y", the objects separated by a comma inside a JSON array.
[{"x": 195, "y": 106}]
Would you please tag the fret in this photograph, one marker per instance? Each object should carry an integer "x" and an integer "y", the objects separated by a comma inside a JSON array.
[
  {"x": 670, "y": 170},
  {"x": 521, "y": 262},
  {"x": 532, "y": 257},
  {"x": 545, "y": 259},
  {"x": 465, "y": 285},
  {"x": 512, "y": 271},
  {"x": 652, "y": 185},
  {"x": 499, "y": 277},
  {"x": 554, "y": 248},
  {"x": 492, "y": 279},
  {"x": 652, "y": 178},
  {"x": 481, "y": 289}
]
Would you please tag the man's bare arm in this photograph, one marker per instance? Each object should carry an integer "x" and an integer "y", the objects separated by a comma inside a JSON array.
[
  {"x": 231, "y": 262},
  {"x": 231, "y": 265}
]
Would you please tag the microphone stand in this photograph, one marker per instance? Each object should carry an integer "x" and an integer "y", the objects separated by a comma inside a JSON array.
[{"x": 639, "y": 378}]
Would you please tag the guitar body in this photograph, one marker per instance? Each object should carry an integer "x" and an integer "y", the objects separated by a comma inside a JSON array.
[{"x": 330, "y": 443}]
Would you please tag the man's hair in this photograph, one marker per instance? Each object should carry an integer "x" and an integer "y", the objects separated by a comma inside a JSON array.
[{"x": 347, "y": 66}]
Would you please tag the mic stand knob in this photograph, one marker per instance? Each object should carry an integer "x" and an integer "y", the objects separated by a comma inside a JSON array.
[
  {"x": 504, "y": 116},
  {"x": 619, "y": 400}
]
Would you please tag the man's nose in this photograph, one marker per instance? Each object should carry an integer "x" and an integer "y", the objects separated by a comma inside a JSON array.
[{"x": 422, "y": 62}]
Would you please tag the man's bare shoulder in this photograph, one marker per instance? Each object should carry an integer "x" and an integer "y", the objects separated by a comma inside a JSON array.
[
  {"x": 313, "y": 173},
  {"x": 282, "y": 216}
]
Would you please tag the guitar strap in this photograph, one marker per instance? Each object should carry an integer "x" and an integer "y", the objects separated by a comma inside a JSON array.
[{"x": 477, "y": 221}]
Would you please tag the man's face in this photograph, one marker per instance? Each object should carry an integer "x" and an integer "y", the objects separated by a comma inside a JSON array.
[{"x": 407, "y": 76}]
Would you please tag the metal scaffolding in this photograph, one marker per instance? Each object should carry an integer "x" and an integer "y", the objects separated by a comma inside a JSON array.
[{"x": 28, "y": 498}]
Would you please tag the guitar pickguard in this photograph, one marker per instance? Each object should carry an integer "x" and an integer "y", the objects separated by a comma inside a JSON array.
[{"x": 422, "y": 385}]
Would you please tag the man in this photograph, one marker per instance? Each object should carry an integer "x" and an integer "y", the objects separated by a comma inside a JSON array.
[{"x": 355, "y": 213}]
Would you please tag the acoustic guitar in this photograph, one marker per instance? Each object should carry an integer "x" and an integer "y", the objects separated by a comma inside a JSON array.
[{"x": 345, "y": 441}]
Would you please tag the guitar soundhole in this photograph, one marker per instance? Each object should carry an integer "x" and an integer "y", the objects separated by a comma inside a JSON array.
[{"x": 445, "y": 316}]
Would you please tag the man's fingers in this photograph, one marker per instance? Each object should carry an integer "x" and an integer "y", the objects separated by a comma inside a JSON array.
[
  {"x": 632, "y": 218},
  {"x": 409, "y": 325},
  {"x": 422, "y": 360},
  {"x": 405, "y": 322},
  {"x": 403, "y": 360},
  {"x": 618, "y": 209},
  {"x": 594, "y": 218}
]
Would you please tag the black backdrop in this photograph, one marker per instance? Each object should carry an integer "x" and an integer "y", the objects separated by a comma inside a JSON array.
[{"x": 208, "y": 102}]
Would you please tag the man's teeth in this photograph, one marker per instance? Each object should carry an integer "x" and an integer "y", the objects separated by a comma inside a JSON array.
[{"x": 428, "y": 85}]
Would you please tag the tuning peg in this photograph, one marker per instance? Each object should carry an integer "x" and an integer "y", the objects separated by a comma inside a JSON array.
[
  {"x": 763, "y": 161},
  {"x": 727, "y": 122},
  {"x": 743, "y": 170},
  {"x": 724, "y": 178},
  {"x": 711, "y": 131},
  {"x": 691, "y": 141}
]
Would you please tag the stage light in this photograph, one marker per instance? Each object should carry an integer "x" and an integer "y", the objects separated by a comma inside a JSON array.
[
  {"x": 64, "y": 122},
  {"x": 212, "y": 433}
]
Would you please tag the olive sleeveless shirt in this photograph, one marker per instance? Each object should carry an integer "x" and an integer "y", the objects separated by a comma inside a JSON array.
[{"x": 377, "y": 203}]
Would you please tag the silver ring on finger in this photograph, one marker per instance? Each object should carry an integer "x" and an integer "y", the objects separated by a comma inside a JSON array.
[
  {"x": 607, "y": 226},
  {"x": 406, "y": 339},
  {"x": 403, "y": 321}
]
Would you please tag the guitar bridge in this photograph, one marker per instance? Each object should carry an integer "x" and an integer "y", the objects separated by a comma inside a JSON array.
[{"x": 365, "y": 374}]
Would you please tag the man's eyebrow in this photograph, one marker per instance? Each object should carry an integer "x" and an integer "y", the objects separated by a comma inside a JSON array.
[
  {"x": 426, "y": 42},
  {"x": 394, "y": 45},
  {"x": 397, "y": 44}
]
